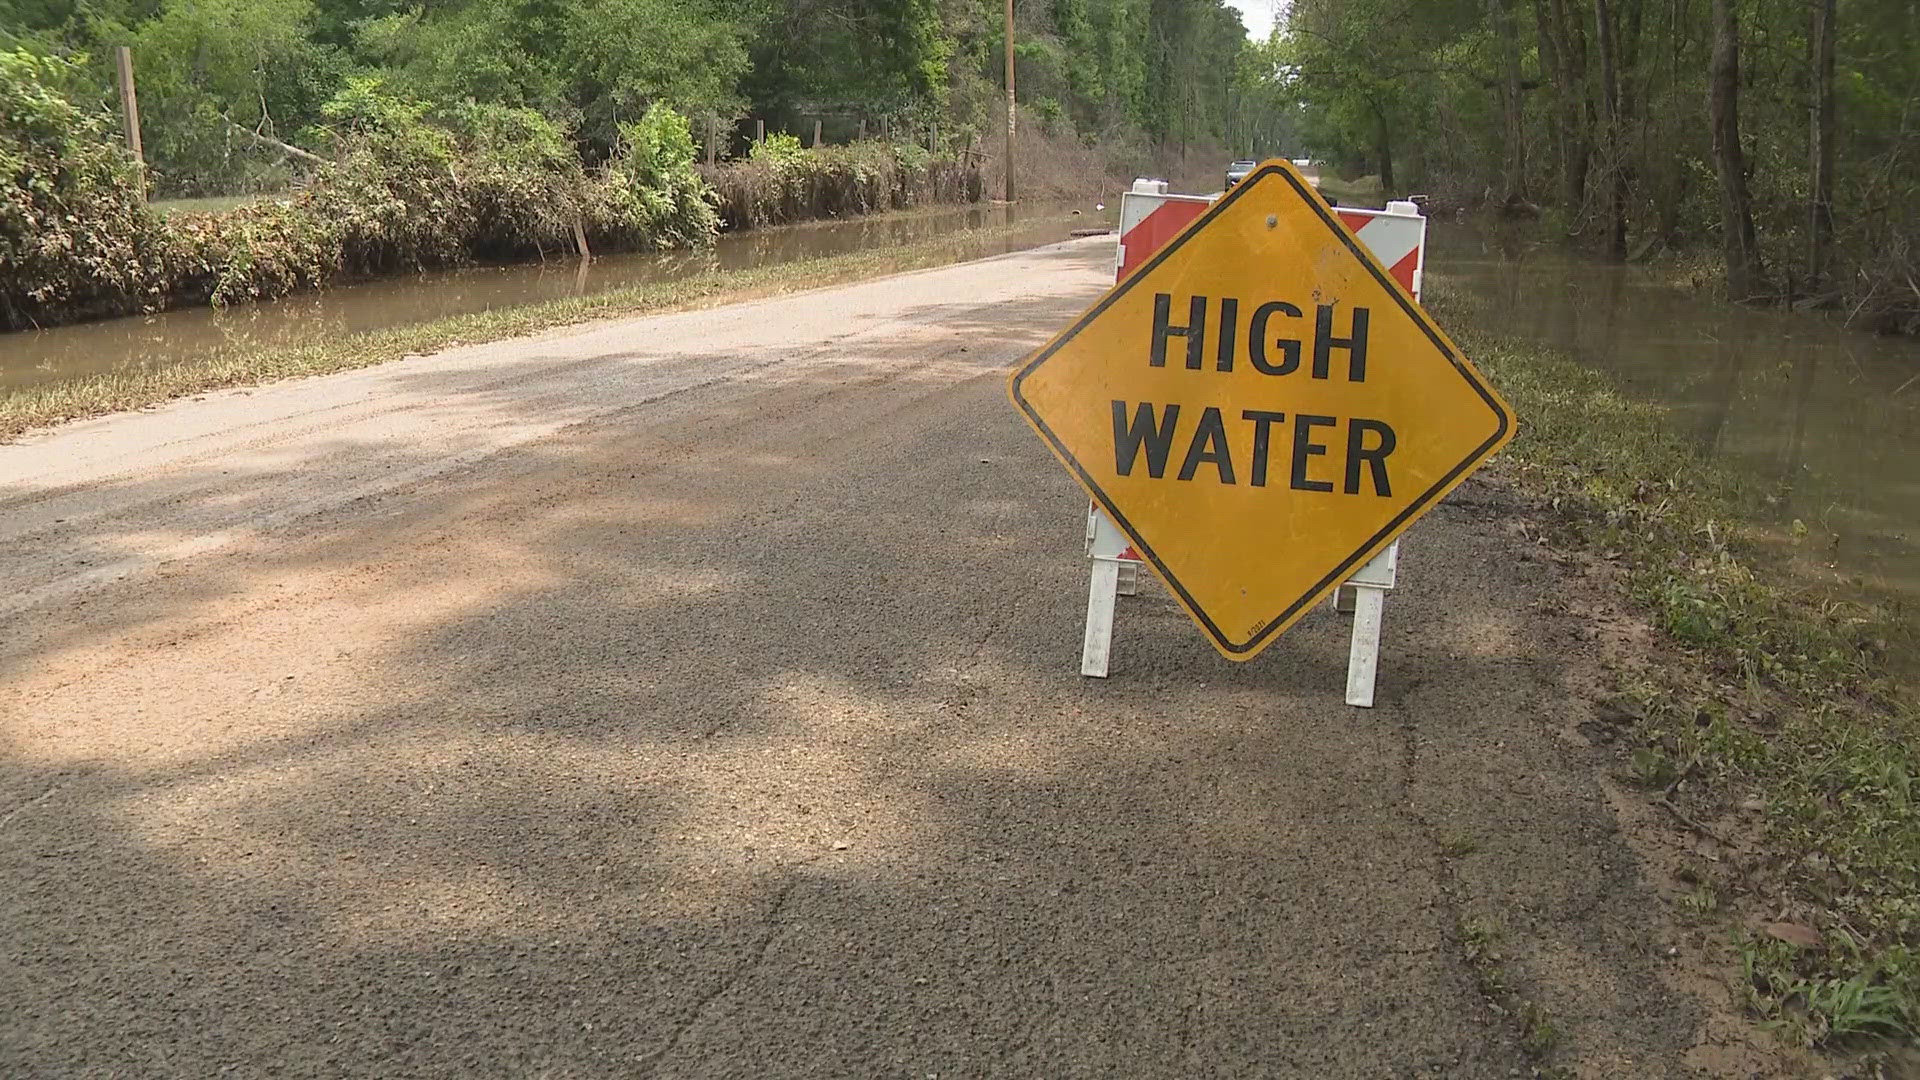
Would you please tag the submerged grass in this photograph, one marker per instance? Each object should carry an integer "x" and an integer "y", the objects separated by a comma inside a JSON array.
[
  {"x": 1788, "y": 692},
  {"x": 33, "y": 407},
  {"x": 1359, "y": 191}
]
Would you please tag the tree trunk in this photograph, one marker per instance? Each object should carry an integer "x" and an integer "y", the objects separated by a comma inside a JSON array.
[
  {"x": 1626, "y": 171},
  {"x": 1742, "y": 252},
  {"x": 1675, "y": 179},
  {"x": 1820, "y": 201},
  {"x": 1513, "y": 180},
  {"x": 1610, "y": 126},
  {"x": 1383, "y": 146},
  {"x": 268, "y": 140},
  {"x": 1555, "y": 76},
  {"x": 1575, "y": 120},
  {"x": 1633, "y": 17}
]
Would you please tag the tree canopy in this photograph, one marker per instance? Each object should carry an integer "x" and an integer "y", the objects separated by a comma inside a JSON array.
[
  {"x": 1156, "y": 73},
  {"x": 1786, "y": 129}
]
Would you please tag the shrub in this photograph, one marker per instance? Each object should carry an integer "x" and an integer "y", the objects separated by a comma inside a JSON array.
[
  {"x": 406, "y": 187},
  {"x": 781, "y": 182},
  {"x": 650, "y": 194},
  {"x": 75, "y": 233}
]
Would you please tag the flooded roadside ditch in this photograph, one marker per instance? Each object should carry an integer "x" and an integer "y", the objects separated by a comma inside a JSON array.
[
  {"x": 135, "y": 344},
  {"x": 1823, "y": 421}
]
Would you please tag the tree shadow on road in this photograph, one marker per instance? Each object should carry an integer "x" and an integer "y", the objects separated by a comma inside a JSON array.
[{"x": 743, "y": 739}]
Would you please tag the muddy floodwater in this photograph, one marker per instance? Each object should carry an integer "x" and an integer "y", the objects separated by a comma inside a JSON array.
[
  {"x": 49, "y": 356},
  {"x": 1824, "y": 419}
]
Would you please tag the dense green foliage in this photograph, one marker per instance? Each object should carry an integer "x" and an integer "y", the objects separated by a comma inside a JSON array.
[
  {"x": 71, "y": 220},
  {"x": 404, "y": 187},
  {"x": 1598, "y": 112},
  {"x": 396, "y": 135},
  {"x": 216, "y": 75},
  {"x": 781, "y": 182}
]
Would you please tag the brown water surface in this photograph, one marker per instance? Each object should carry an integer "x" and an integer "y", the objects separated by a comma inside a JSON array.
[
  {"x": 1826, "y": 420},
  {"x": 34, "y": 358}
]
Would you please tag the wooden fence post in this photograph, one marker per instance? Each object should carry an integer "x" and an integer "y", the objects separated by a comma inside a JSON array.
[
  {"x": 713, "y": 135},
  {"x": 816, "y": 133},
  {"x": 862, "y": 137},
  {"x": 130, "y": 110},
  {"x": 759, "y": 131}
]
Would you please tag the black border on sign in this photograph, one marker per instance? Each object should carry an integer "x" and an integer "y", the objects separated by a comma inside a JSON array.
[{"x": 1400, "y": 520}]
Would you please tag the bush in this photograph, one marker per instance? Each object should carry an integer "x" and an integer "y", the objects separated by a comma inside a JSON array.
[
  {"x": 781, "y": 182},
  {"x": 405, "y": 188},
  {"x": 75, "y": 233},
  {"x": 650, "y": 194}
]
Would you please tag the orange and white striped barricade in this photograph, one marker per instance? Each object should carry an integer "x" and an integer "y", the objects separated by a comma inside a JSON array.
[{"x": 1397, "y": 236}]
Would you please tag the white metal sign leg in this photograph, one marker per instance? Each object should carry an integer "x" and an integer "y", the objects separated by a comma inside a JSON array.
[
  {"x": 1365, "y": 594},
  {"x": 1363, "y": 661},
  {"x": 1103, "y": 585}
]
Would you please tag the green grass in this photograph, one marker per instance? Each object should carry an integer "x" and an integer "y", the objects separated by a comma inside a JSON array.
[
  {"x": 1360, "y": 191},
  {"x": 1776, "y": 683},
  {"x": 39, "y": 406},
  {"x": 210, "y": 204},
  {"x": 1480, "y": 948}
]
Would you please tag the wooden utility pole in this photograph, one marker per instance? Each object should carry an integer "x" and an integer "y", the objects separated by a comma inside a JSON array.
[
  {"x": 130, "y": 109},
  {"x": 1010, "y": 102}
]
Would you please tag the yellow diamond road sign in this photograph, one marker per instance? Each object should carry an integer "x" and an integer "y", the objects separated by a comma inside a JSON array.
[{"x": 1261, "y": 408}]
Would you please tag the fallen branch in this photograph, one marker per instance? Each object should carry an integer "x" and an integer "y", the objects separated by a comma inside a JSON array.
[
  {"x": 1696, "y": 826},
  {"x": 268, "y": 140}
]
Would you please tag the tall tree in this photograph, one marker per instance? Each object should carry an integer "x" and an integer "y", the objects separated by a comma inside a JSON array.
[
  {"x": 1739, "y": 243},
  {"x": 1513, "y": 135},
  {"x": 1563, "y": 52},
  {"x": 1820, "y": 198},
  {"x": 1612, "y": 136}
]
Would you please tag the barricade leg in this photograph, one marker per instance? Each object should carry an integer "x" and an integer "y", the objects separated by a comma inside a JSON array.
[
  {"x": 1363, "y": 660},
  {"x": 1103, "y": 585}
]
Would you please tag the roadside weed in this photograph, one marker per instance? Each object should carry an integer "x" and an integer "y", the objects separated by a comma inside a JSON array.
[{"x": 1783, "y": 684}]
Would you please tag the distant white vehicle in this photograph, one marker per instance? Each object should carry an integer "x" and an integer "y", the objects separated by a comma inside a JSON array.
[{"x": 1301, "y": 163}]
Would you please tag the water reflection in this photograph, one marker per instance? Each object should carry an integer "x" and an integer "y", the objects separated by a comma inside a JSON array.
[
  {"x": 1826, "y": 418},
  {"x": 130, "y": 344}
]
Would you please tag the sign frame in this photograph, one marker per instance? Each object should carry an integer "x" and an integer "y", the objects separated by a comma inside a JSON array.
[{"x": 1253, "y": 644}]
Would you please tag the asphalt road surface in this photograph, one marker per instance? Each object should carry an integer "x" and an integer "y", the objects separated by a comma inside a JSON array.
[{"x": 697, "y": 695}]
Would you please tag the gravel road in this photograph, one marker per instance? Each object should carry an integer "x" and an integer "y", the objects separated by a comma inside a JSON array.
[{"x": 697, "y": 695}]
